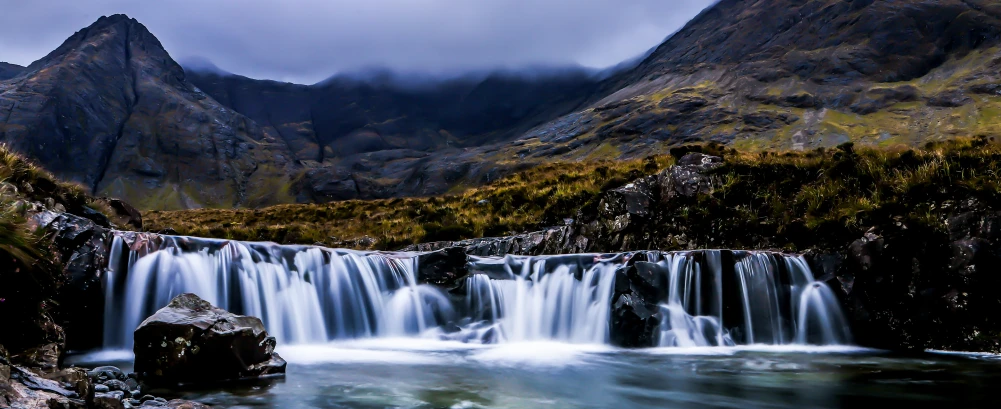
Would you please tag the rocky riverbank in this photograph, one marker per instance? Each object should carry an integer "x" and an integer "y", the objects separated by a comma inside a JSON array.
[
  {"x": 917, "y": 273},
  {"x": 908, "y": 240}
]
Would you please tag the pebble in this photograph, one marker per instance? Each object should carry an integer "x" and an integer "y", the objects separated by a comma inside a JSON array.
[{"x": 101, "y": 388}]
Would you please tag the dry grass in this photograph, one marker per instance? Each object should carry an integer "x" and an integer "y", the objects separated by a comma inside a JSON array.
[
  {"x": 541, "y": 196},
  {"x": 793, "y": 199},
  {"x": 803, "y": 199}
]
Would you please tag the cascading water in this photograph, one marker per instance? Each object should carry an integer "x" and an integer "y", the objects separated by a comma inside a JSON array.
[
  {"x": 302, "y": 294},
  {"x": 307, "y": 294},
  {"x": 546, "y": 299},
  {"x": 764, "y": 298}
]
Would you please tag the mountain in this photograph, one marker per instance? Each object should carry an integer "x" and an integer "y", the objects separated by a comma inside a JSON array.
[
  {"x": 763, "y": 74},
  {"x": 382, "y": 135},
  {"x": 111, "y": 110},
  {"x": 8, "y": 70}
]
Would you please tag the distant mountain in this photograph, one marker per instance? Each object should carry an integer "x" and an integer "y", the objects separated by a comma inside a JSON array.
[
  {"x": 110, "y": 109},
  {"x": 8, "y": 70},
  {"x": 380, "y": 135}
]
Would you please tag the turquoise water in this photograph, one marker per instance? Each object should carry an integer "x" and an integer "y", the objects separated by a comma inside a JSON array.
[{"x": 411, "y": 373}]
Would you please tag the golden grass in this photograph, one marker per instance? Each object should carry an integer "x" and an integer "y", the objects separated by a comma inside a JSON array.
[{"x": 531, "y": 199}]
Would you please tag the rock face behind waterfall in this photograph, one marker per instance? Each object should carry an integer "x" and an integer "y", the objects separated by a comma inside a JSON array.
[{"x": 191, "y": 341}]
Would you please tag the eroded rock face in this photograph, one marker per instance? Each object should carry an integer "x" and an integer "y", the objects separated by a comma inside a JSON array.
[{"x": 191, "y": 341}]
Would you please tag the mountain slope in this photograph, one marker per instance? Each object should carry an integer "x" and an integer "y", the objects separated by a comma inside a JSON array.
[
  {"x": 111, "y": 110},
  {"x": 384, "y": 136},
  {"x": 800, "y": 74}
]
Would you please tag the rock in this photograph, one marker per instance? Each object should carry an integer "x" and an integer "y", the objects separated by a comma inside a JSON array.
[
  {"x": 127, "y": 213},
  {"x": 949, "y": 99},
  {"x": 443, "y": 268},
  {"x": 184, "y": 404},
  {"x": 110, "y": 372},
  {"x": 191, "y": 341},
  {"x": 109, "y": 400},
  {"x": 116, "y": 385},
  {"x": 44, "y": 358},
  {"x": 878, "y": 98},
  {"x": 101, "y": 388},
  {"x": 132, "y": 383},
  {"x": 82, "y": 248},
  {"x": 688, "y": 178}
]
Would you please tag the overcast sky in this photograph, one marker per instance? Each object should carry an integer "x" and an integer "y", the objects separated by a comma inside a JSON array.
[{"x": 306, "y": 41}]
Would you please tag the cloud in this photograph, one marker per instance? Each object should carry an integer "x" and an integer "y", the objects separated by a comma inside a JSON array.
[{"x": 308, "y": 40}]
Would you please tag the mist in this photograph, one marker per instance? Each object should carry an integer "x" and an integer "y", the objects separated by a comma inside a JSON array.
[{"x": 307, "y": 41}]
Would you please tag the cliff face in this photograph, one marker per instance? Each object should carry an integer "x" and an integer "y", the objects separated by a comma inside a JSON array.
[{"x": 110, "y": 109}]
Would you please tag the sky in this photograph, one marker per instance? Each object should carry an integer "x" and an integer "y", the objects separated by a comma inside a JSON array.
[{"x": 306, "y": 41}]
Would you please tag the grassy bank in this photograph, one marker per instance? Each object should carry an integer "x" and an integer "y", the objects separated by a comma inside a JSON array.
[
  {"x": 541, "y": 196},
  {"x": 792, "y": 199},
  {"x": 829, "y": 197}
]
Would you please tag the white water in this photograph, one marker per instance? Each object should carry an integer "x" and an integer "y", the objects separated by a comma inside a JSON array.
[
  {"x": 538, "y": 303},
  {"x": 776, "y": 304},
  {"x": 313, "y": 295},
  {"x": 303, "y": 295}
]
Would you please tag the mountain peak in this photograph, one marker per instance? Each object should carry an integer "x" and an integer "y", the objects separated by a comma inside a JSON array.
[{"x": 117, "y": 29}]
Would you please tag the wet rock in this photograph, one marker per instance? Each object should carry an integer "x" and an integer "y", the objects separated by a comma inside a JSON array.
[
  {"x": 109, "y": 372},
  {"x": 102, "y": 388},
  {"x": 116, "y": 385},
  {"x": 191, "y": 341},
  {"x": 82, "y": 248},
  {"x": 109, "y": 400},
  {"x": 443, "y": 268}
]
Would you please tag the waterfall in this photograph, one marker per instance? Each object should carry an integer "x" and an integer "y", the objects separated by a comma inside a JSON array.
[
  {"x": 308, "y": 294},
  {"x": 302, "y": 294},
  {"x": 763, "y": 298},
  {"x": 545, "y": 299}
]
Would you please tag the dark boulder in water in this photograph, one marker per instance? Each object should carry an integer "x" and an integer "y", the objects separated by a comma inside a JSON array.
[{"x": 191, "y": 341}]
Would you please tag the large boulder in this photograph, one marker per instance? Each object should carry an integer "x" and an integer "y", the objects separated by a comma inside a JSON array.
[{"x": 191, "y": 341}]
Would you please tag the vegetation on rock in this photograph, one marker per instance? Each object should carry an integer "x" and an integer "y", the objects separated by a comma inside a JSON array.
[{"x": 30, "y": 269}]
